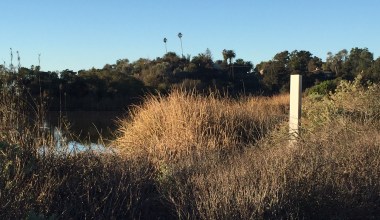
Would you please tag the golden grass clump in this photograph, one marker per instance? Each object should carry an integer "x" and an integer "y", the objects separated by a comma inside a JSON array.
[{"x": 182, "y": 123}]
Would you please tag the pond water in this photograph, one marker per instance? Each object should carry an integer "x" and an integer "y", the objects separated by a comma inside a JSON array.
[
  {"x": 87, "y": 126},
  {"x": 65, "y": 146}
]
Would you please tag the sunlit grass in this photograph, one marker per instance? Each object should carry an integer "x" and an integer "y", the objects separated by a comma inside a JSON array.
[{"x": 168, "y": 127}]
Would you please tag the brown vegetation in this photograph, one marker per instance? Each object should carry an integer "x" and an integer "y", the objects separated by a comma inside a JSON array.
[
  {"x": 167, "y": 128},
  {"x": 206, "y": 157},
  {"x": 332, "y": 172}
]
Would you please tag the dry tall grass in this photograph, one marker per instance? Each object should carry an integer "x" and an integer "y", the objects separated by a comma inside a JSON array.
[
  {"x": 167, "y": 128},
  {"x": 332, "y": 172}
]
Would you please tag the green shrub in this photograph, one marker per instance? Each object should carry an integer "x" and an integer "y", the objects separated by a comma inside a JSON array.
[
  {"x": 351, "y": 99},
  {"x": 323, "y": 88}
]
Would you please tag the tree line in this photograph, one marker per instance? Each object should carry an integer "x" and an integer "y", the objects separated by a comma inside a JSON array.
[{"x": 115, "y": 86}]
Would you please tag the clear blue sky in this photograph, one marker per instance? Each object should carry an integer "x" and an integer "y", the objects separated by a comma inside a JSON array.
[{"x": 80, "y": 34}]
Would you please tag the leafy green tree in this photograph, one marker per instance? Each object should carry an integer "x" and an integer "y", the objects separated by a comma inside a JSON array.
[
  {"x": 269, "y": 72},
  {"x": 242, "y": 68},
  {"x": 68, "y": 76},
  {"x": 374, "y": 73},
  {"x": 171, "y": 57},
  {"x": 298, "y": 61},
  {"x": 123, "y": 66},
  {"x": 275, "y": 73},
  {"x": 202, "y": 60},
  {"x": 336, "y": 63},
  {"x": 282, "y": 57},
  {"x": 156, "y": 74},
  {"x": 139, "y": 65},
  {"x": 359, "y": 61},
  {"x": 314, "y": 64}
]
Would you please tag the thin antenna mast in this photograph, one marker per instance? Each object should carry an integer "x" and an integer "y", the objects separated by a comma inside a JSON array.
[
  {"x": 39, "y": 60},
  {"x": 18, "y": 59},
  {"x": 11, "y": 66}
]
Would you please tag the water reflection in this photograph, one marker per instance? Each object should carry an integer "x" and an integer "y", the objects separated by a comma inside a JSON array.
[
  {"x": 88, "y": 126},
  {"x": 88, "y": 131},
  {"x": 64, "y": 146}
]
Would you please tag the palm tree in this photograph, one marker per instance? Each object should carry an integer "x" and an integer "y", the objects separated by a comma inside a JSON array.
[
  {"x": 180, "y": 38},
  {"x": 166, "y": 48},
  {"x": 229, "y": 55}
]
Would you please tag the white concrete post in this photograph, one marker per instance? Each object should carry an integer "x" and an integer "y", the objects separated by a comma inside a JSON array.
[{"x": 295, "y": 106}]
